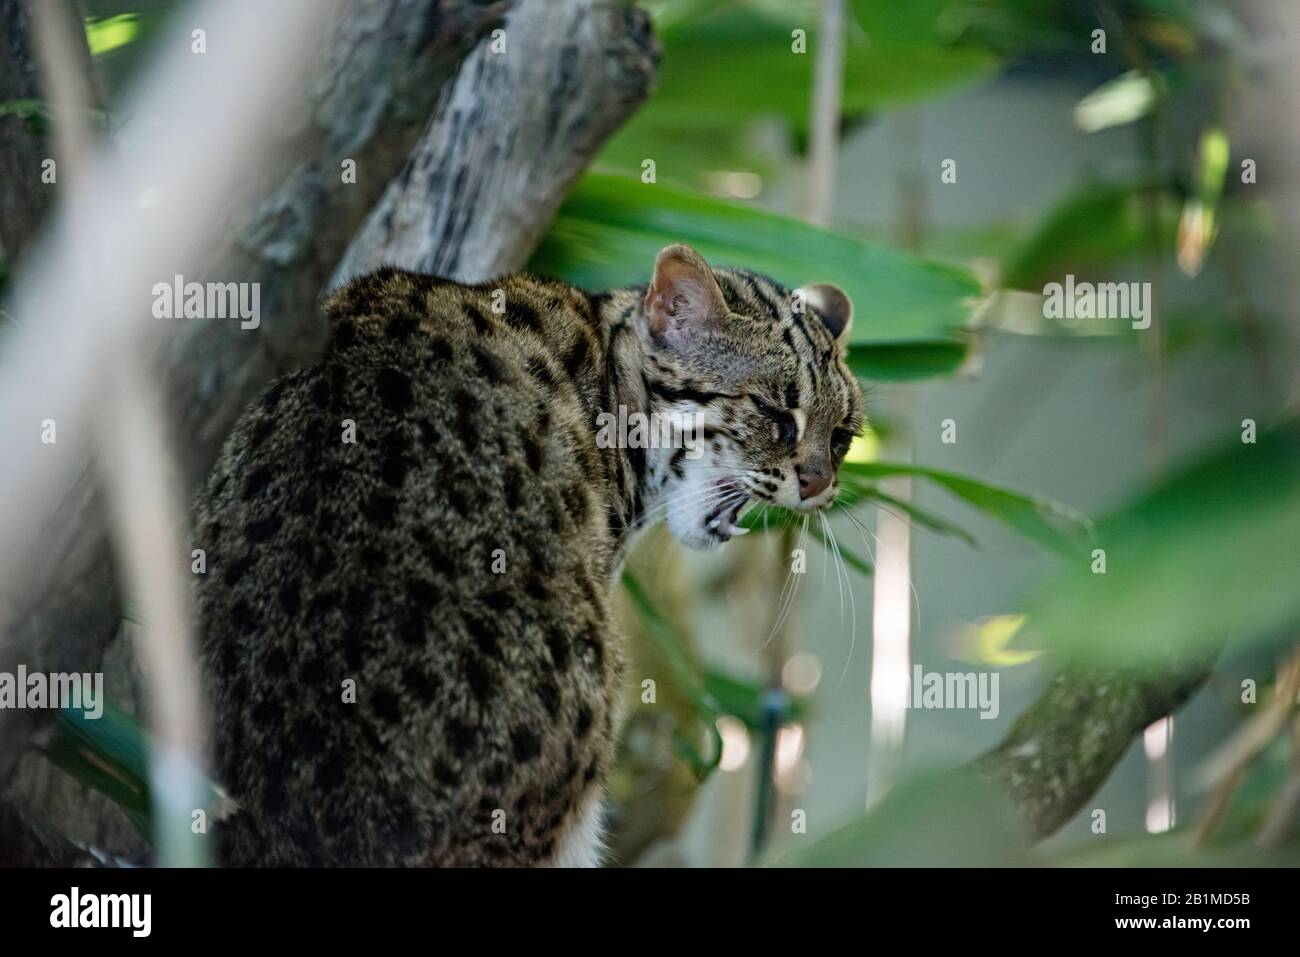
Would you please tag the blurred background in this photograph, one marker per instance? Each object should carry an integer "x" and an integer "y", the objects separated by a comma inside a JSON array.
[{"x": 1107, "y": 518}]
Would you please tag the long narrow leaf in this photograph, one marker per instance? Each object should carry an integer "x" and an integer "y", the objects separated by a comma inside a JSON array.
[{"x": 1050, "y": 524}]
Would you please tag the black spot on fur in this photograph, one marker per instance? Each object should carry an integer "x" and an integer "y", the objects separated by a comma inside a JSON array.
[
  {"x": 583, "y": 724},
  {"x": 290, "y": 598},
  {"x": 533, "y": 449},
  {"x": 466, "y": 428},
  {"x": 267, "y": 713},
  {"x": 261, "y": 529},
  {"x": 277, "y": 664},
  {"x": 489, "y": 364},
  {"x": 440, "y": 349},
  {"x": 523, "y": 316},
  {"x": 422, "y": 592},
  {"x": 524, "y": 744},
  {"x": 325, "y": 560},
  {"x": 394, "y": 469},
  {"x": 329, "y": 773},
  {"x": 344, "y": 336},
  {"x": 461, "y": 736},
  {"x": 257, "y": 482},
  {"x": 274, "y": 796},
  {"x": 558, "y": 643},
  {"x": 413, "y": 631},
  {"x": 236, "y": 571},
  {"x": 241, "y": 618},
  {"x": 402, "y": 326},
  {"x": 320, "y": 392},
  {"x": 540, "y": 370},
  {"x": 358, "y": 602},
  {"x": 308, "y": 738},
  {"x": 443, "y": 773},
  {"x": 373, "y": 559},
  {"x": 262, "y": 431},
  {"x": 479, "y": 677},
  {"x": 482, "y": 325},
  {"x": 395, "y": 390},
  {"x": 381, "y": 509},
  {"x": 549, "y": 692},
  {"x": 354, "y": 651},
  {"x": 422, "y": 686},
  {"x": 386, "y": 705},
  {"x": 577, "y": 356},
  {"x": 536, "y": 588}
]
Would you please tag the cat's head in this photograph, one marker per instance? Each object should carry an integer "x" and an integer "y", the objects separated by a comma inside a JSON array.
[{"x": 765, "y": 365}]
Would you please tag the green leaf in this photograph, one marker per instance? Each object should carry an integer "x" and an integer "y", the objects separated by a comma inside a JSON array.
[
  {"x": 109, "y": 754},
  {"x": 610, "y": 229},
  {"x": 1212, "y": 554},
  {"x": 864, "y": 494},
  {"x": 1050, "y": 524},
  {"x": 890, "y": 361},
  {"x": 103, "y": 35}
]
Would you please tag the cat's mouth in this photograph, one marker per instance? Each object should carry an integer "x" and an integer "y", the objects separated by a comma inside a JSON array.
[{"x": 723, "y": 520}]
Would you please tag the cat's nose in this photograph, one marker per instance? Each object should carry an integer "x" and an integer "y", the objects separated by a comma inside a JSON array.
[{"x": 813, "y": 483}]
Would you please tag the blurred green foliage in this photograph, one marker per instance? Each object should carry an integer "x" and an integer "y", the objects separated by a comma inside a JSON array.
[{"x": 1209, "y": 555}]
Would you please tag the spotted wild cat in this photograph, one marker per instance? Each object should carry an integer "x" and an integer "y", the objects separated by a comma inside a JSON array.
[{"x": 425, "y": 517}]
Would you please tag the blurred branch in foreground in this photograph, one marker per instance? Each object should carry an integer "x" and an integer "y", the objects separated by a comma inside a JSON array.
[{"x": 382, "y": 71}]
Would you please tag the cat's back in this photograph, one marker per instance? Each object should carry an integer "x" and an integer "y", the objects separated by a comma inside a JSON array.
[{"x": 405, "y": 587}]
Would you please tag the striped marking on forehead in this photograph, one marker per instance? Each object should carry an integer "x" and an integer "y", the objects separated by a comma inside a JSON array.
[{"x": 804, "y": 335}]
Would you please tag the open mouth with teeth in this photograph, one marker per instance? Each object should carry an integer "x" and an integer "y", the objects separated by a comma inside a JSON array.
[{"x": 723, "y": 520}]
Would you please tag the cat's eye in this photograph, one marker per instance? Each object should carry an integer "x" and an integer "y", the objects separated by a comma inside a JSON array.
[{"x": 841, "y": 439}]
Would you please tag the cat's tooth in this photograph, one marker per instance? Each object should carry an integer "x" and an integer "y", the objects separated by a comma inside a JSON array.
[{"x": 737, "y": 530}]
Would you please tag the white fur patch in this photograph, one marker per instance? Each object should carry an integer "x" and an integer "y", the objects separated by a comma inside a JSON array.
[{"x": 583, "y": 844}]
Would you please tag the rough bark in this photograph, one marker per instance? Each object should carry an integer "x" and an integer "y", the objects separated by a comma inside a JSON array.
[
  {"x": 509, "y": 138},
  {"x": 1064, "y": 746},
  {"x": 379, "y": 81}
]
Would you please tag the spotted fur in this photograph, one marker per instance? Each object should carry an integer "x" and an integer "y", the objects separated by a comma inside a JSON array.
[{"x": 453, "y": 564}]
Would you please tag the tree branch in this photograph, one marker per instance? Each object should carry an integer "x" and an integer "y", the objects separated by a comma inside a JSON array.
[
  {"x": 523, "y": 119},
  {"x": 1062, "y": 748}
]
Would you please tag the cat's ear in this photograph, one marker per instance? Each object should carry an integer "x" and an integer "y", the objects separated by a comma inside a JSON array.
[
  {"x": 683, "y": 301},
  {"x": 831, "y": 306}
]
